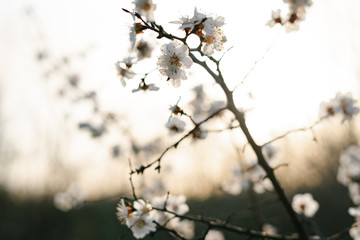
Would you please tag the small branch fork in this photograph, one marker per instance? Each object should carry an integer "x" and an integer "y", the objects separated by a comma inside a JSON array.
[{"x": 141, "y": 169}]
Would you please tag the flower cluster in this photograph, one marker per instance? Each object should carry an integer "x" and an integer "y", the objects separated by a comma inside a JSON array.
[
  {"x": 251, "y": 175},
  {"x": 143, "y": 217},
  {"x": 297, "y": 12},
  {"x": 349, "y": 172},
  {"x": 305, "y": 204},
  {"x": 138, "y": 217},
  {"x": 343, "y": 104},
  {"x": 173, "y": 61},
  {"x": 208, "y": 28}
]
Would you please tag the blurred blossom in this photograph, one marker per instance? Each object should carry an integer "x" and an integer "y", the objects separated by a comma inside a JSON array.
[
  {"x": 349, "y": 168},
  {"x": 183, "y": 226},
  {"x": 214, "y": 235},
  {"x": 176, "y": 204},
  {"x": 175, "y": 125},
  {"x": 143, "y": 49},
  {"x": 343, "y": 104},
  {"x": 243, "y": 178},
  {"x": 295, "y": 4},
  {"x": 354, "y": 192},
  {"x": 275, "y": 18},
  {"x": 269, "y": 229},
  {"x": 199, "y": 133},
  {"x": 305, "y": 204},
  {"x": 71, "y": 198},
  {"x": 95, "y": 131},
  {"x": 354, "y": 232},
  {"x": 124, "y": 72},
  {"x": 145, "y": 8},
  {"x": 355, "y": 212},
  {"x": 146, "y": 87}
]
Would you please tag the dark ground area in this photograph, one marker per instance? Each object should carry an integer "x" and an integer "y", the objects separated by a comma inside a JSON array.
[{"x": 39, "y": 219}]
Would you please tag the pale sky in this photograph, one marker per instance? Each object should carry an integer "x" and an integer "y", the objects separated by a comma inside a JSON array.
[{"x": 301, "y": 70}]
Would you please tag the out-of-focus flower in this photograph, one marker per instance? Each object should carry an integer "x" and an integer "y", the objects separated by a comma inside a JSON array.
[
  {"x": 185, "y": 227},
  {"x": 144, "y": 49},
  {"x": 71, "y": 198},
  {"x": 146, "y": 87},
  {"x": 214, "y": 235},
  {"x": 343, "y": 104},
  {"x": 305, "y": 204},
  {"x": 275, "y": 18},
  {"x": 269, "y": 229},
  {"x": 124, "y": 72},
  {"x": 145, "y": 8},
  {"x": 355, "y": 230},
  {"x": 349, "y": 168},
  {"x": 199, "y": 133},
  {"x": 176, "y": 204},
  {"x": 175, "y": 125},
  {"x": 354, "y": 192},
  {"x": 295, "y": 4},
  {"x": 245, "y": 177},
  {"x": 173, "y": 61},
  {"x": 96, "y": 131}
]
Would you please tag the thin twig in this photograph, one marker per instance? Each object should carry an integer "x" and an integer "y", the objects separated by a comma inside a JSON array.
[
  {"x": 158, "y": 160},
  {"x": 257, "y": 61},
  {"x": 131, "y": 182},
  {"x": 224, "y": 225},
  {"x": 310, "y": 128}
]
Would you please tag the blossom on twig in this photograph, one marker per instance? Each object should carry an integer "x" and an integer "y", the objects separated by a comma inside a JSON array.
[
  {"x": 173, "y": 61},
  {"x": 305, "y": 204}
]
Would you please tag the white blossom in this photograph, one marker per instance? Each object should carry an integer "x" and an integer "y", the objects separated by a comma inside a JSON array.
[
  {"x": 214, "y": 42},
  {"x": 184, "y": 226},
  {"x": 214, "y": 235},
  {"x": 141, "y": 226},
  {"x": 305, "y": 204},
  {"x": 174, "y": 59},
  {"x": 145, "y": 8}
]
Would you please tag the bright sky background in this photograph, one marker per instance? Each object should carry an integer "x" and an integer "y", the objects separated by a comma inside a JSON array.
[{"x": 301, "y": 70}]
